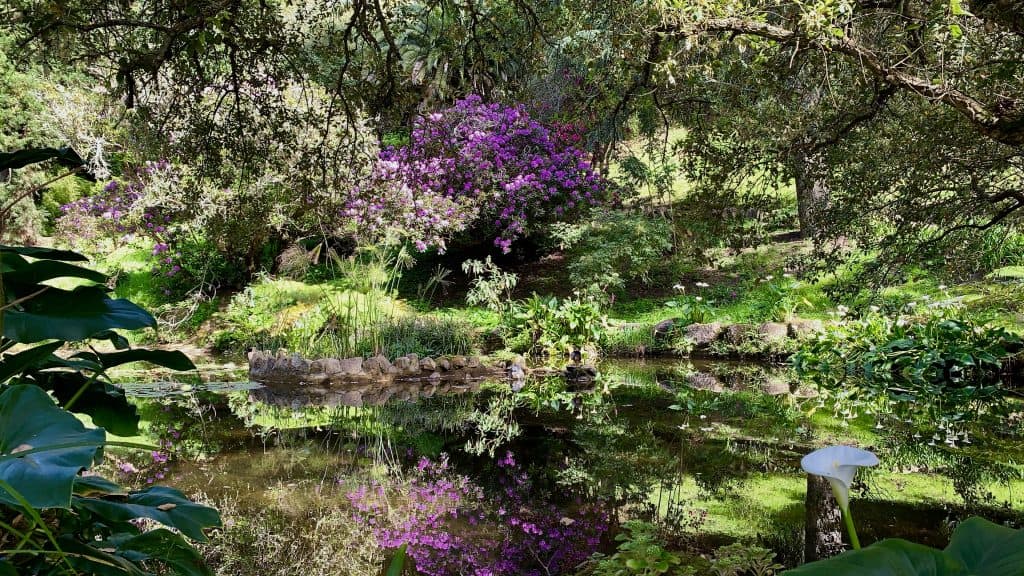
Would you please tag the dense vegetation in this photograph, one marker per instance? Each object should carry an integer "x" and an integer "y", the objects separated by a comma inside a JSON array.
[{"x": 832, "y": 189}]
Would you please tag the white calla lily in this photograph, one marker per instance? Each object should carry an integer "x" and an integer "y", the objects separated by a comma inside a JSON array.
[{"x": 838, "y": 465}]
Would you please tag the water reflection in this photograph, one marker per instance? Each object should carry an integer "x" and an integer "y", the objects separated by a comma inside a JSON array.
[
  {"x": 361, "y": 394},
  {"x": 658, "y": 440}
]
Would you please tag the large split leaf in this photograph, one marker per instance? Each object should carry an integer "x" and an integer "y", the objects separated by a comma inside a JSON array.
[
  {"x": 29, "y": 423},
  {"x": 165, "y": 547},
  {"x": 20, "y": 158},
  {"x": 105, "y": 403},
  {"x": 165, "y": 505},
  {"x": 43, "y": 270},
  {"x": 988, "y": 549},
  {"x": 13, "y": 364},
  {"x": 978, "y": 548},
  {"x": 65, "y": 157},
  {"x": 97, "y": 486},
  {"x": 72, "y": 315},
  {"x": 42, "y": 253},
  {"x": 173, "y": 359},
  {"x": 88, "y": 559}
]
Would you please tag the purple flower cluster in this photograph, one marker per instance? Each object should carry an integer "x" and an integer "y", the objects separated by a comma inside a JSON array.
[
  {"x": 475, "y": 165},
  {"x": 115, "y": 213},
  {"x": 452, "y": 526}
]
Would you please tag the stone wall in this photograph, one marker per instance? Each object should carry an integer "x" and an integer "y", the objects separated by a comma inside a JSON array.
[{"x": 292, "y": 369}]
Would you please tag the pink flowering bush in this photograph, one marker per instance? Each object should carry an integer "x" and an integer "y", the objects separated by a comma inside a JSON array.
[
  {"x": 475, "y": 166},
  {"x": 452, "y": 526}
]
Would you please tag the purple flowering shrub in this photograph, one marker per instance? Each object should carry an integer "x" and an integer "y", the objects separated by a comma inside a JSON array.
[
  {"x": 453, "y": 526},
  {"x": 123, "y": 211},
  {"x": 475, "y": 166}
]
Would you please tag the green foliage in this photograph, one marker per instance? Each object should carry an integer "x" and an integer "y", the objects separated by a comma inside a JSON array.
[
  {"x": 613, "y": 248},
  {"x": 558, "y": 325},
  {"x": 640, "y": 553},
  {"x": 692, "y": 309},
  {"x": 939, "y": 370},
  {"x": 737, "y": 559},
  {"x": 77, "y": 524},
  {"x": 978, "y": 547},
  {"x": 489, "y": 286}
]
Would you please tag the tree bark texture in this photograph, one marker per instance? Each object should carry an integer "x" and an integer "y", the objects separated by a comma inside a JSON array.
[{"x": 823, "y": 536}]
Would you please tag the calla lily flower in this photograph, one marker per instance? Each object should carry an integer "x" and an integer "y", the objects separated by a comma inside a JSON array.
[{"x": 838, "y": 465}]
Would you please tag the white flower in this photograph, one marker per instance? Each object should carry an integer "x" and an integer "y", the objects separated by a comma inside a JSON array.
[
  {"x": 702, "y": 285},
  {"x": 942, "y": 286},
  {"x": 874, "y": 308},
  {"x": 769, "y": 278},
  {"x": 679, "y": 288},
  {"x": 698, "y": 298},
  {"x": 838, "y": 465},
  {"x": 787, "y": 275}
]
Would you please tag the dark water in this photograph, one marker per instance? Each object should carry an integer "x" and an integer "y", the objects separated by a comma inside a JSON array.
[{"x": 680, "y": 444}]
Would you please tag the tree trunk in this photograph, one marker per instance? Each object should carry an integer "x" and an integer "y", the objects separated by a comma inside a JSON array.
[
  {"x": 823, "y": 536},
  {"x": 812, "y": 191}
]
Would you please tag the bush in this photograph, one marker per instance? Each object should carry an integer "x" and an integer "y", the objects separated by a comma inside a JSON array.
[
  {"x": 486, "y": 168},
  {"x": 613, "y": 248}
]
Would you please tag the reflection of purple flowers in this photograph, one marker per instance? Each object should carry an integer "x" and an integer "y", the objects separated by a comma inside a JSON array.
[
  {"x": 470, "y": 164},
  {"x": 452, "y": 526}
]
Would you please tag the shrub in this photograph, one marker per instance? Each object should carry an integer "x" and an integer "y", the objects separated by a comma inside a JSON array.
[
  {"x": 557, "y": 325},
  {"x": 640, "y": 552},
  {"x": 489, "y": 168},
  {"x": 613, "y": 248}
]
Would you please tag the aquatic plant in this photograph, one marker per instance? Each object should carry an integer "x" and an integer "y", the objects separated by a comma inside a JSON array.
[
  {"x": 451, "y": 525},
  {"x": 934, "y": 367}
]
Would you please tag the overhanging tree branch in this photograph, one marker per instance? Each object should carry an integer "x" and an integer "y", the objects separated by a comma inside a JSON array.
[{"x": 1005, "y": 129}]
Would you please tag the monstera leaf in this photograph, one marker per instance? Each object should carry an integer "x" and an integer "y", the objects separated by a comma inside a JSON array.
[
  {"x": 165, "y": 505},
  {"x": 105, "y": 403},
  {"x": 24, "y": 272},
  {"x": 56, "y": 314},
  {"x": 69, "y": 378},
  {"x": 13, "y": 364},
  {"x": 988, "y": 549},
  {"x": 21, "y": 158},
  {"x": 978, "y": 548},
  {"x": 42, "y": 448},
  {"x": 173, "y": 359},
  {"x": 165, "y": 547},
  {"x": 42, "y": 253},
  {"x": 66, "y": 157}
]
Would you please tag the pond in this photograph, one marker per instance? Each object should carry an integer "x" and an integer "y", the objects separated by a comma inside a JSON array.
[{"x": 482, "y": 478}]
